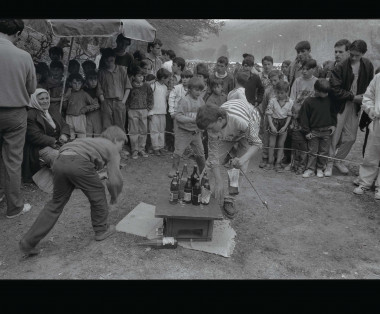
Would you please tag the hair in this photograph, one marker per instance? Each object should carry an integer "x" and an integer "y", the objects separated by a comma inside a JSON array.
[
  {"x": 75, "y": 76},
  {"x": 43, "y": 69},
  {"x": 164, "y": 52},
  {"x": 209, "y": 114},
  {"x": 302, "y": 45},
  {"x": 153, "y": 43},
  {"x": 108, "y": 52},
  {"x": 322, "y": 85},
  {"x": 56, "y": 51},
  {"x": 281, "y": 87},
  {"x": 287, "y": 62},
  {"x": 278, "y": 73},
  {"x": 11, "y": 26},
  {"x": 248, "y": 55},
  {"x": 163, "y": 74},
  {"x": 121, "y": 37},
  {"x": 359, "y": 45},
  {"x": 146, "y": 62},
  {"x": 180, "y": 62},
  {"x": 171, "y": 54},
  {"x": 201, "y": 69},
  {"x": 90, "y": 64},
  {"x": 137, "y": 70},
  {"x": 187, "y": 74},
  {"x": 139, "y": 55},
  {"x": 242, "y": 77},
  {"x": 91, "y": 74},
  {"x": 309, "y": 64},
  {"x": 114, "y": 133},
  {"x": 195, "y": 83},
  {"x": 74, "y": 63},
  {"x": 267, "y": 58},
  {"x": 214, "y": 82},
  {"x": 56, "y": 65},
  {"x": 343, "y": 42},
  {"x": 150, "y": 77},
  {"x": 248, "y": 61},
  {"x": 223, "y": 60}
]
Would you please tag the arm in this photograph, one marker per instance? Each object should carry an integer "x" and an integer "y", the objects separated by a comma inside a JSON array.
[
  {"x": 336, "y": 83},
  {"x": 31, "y": 79},
  {"x": 34, "y": 134},
  {"x": 260, "y": 92},
  {"x": 369, "y": 98},
  {"x": 213, "y": 163},
  {"x": 115, "y": 179},
  {"x": 171, "y": 101},
  {"x": 149, "y": 98},
  {"x": 293, "y": 92},
  {"x": 269, "y": 113}
]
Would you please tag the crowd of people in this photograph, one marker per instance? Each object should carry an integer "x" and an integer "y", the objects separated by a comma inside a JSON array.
[{"x": 304, "y": 117}]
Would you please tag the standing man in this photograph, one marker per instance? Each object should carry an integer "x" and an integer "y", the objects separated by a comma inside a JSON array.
[
  {"x": 123, "y": 57},
  {"x": 17, "y": 82},
  {"x": 154, "y": 53},
  {"x": 341, "y": 53},
  {"x": 349, "y": 81}
]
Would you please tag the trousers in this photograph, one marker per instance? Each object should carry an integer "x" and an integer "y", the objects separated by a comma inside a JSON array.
[
  {"x": 113, "y": 113},
  {"x": 157, "y": 126},
  {"x": 319, "y": 144},
  {"x": 137, "y": 128}
]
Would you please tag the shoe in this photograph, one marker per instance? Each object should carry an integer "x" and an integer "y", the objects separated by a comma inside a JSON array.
[
  {"x": 27, "y": 250},
  {"x": 150, "y": 151},
  {"x": 377, "y": 194},
  {"x": 360, "y": 190},
  {"x": 26, "y": 208},
  {"x": 106, "y": 234},
  {"x": 268, "y": 167},
  {"x": 320, "y": 173},
  {"x": 278, "y": 168},
  {"x": 143, "y": 154},
  {"x": 328, "y": 170},
  {"x": 356, "y": 181},
  {"x": 308, "y": 173},
  {"x": 135, "y": 155},
  {"x": 228, "y": 209},
  {"x": 288, "y": 167},
  {"x": 299, "y": 171},
  {"x": 342, "y": 168},
  {"x": 163, "y": 151},
  {"x": 263, "y": 163},
  {"x": 157, "y": 153},
  {"x": 171, "y": 174}
]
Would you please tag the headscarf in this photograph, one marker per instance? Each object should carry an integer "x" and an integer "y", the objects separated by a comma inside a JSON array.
[{"x": 34, "y": 104}]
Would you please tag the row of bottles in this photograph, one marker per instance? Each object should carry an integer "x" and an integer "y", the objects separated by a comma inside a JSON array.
[{"x": 189, "y": 188}]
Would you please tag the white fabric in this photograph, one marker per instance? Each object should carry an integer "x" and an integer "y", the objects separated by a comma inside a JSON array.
[
  {"x": 35, "y": 104},
  {"x": 159, "y": 98},
  {"x": 371, "y": 102},
  {"x": 168, "y": 65},
  {"x": 237, "y": 93},
  {"x": 175, "y": 96}
]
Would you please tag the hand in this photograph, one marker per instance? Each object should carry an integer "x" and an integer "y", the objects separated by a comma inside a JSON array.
[
  {"x": 372, "y": 114},
  {"x": 309, "y": 136},
  {"x": 332, "y": 129},
  {"x": 63, "y": 138},
  {"x": 237, "y": 162},
  {"x": 358, "y": 99},
  {"x": 273, "y": 129},
  {"x": 219, "y": 192},
  {"x": 83, "y": 110},
  {"x": 282, "y": 130}
]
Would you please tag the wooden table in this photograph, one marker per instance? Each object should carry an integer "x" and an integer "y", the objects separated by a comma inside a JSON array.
[{"x": 186, "y": 221}]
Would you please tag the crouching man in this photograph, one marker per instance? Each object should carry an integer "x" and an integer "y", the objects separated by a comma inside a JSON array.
[
  {"x": 233, "y": 132},
  {"x": 76, "y": 167}
]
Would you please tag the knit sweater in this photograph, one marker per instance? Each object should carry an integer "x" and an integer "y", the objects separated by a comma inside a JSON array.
[
  {"x": 187, "y": 112},
  {"x": 141, "y": 97}
]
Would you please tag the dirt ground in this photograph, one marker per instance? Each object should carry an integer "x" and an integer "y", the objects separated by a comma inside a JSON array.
[{"x": 314, "y": 228}]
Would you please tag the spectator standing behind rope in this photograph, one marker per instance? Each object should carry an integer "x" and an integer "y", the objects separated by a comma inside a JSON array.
[{"x": 17, "y": 82}]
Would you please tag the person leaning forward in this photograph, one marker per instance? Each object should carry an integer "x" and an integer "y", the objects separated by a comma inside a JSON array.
[{"x": 76, "y": 167}]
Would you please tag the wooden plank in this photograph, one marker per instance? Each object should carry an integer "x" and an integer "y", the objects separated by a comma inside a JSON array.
[{"x": 188, "y": 211}]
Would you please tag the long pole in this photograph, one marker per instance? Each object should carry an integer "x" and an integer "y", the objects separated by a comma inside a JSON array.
[{"x": 65, "y": 76}]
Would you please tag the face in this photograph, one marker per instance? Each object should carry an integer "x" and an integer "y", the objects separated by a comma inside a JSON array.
[
  {"x": 200, "y": 76},
  {"x": 119, "y": 145},
  {"x": 303, "y": 54},
  {"x": 221, "y": 68},
  {"x": 166, "y": 80},
  {"x": 92, "y": 82},
  {"x": 195, "y": 93},
  {"x": 166, "y": 58},
  {"x": 146, "y": 69},
  {"x": 39, "y": 76},
  {"x": 175, "y": 68},
  {"x": 55, "y": 57},
  {"x": 138, "y": 78},
  {"x": 217, "y": 89},
  {"x": 74, "y": 68},
  {"x": 355, "y": 56},
  {"x": 307, "y": 73},
  {"x": 247, "y": 68},
  {"x": 123, "y": 44},
  {"x": 267, "y": 66},
  {"x": 44, "y": 101},
  {"x": 185, "y": 81},
  {"x": 281, "y": 95},
  {"x": 56, "y": 73},
  {"x": 285, "y": 68},
  {"x": 341, "y": 53},
  {"x": 274, "y": 80},
  {"x": 215, "y": 127},
  {"x": 76, "y": 85},
  {"x": 156, "y": 50},
  {"x": 109, "y": 62}
]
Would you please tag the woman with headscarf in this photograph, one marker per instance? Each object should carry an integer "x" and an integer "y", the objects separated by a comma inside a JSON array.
[{"x": 45, "y": 133}]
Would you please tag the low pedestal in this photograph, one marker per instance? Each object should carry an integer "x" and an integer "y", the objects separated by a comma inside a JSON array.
[{"x": 188, "y": 222}]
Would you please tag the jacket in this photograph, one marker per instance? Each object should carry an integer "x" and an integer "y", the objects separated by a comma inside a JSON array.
[{"x": 341, "y": 81}]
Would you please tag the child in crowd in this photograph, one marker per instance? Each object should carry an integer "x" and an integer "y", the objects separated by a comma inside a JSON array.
[
  {"x": 42, "y": 73},
  {"x": 187, "y": 132},
  {"x": 254, "y": 89},
  {"x": 239, "y": 91},
  {"x": 285, "y": 69},
  {"x": 139, "y": 102},
  {"x": 93, "y": 118},
  {"x": 275, "y": 76},
  {"x": 74, "y": 66},
  {"x": 267, "y": 63},
  {"x": 221, "y": 73},
  {"x": 79, "y": 103},
  {"x": 177, "y": 67},
  {"x": 217, "y": 97},
  {"x": 318, "y": 121},
  {"x": 55, "y": 87},
  {"x": 201, "y": 72},
  {"x": 279, "y": 114},
  {"x": 147, "y": 66},
  {"x": 55, "y": 53},
  {"x": 302, "y": 88},
  {"x": 168, "y": 59},
  {"x": 157, "y": 115},
  {"x": 88, "y": 66},
  {"x": 178, "y": 92},
  {"x": 115, "y": 84}
]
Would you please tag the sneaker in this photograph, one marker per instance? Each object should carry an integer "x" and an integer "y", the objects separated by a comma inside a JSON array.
[
  {"x": 150, "y": 151},
  {"x": 228, "y": 209},
  {"x": 135, "y": 155},
  {"x": 268, "y": 167},
  {"x": 356, "y": 181},
  {"x": 377, "y": 194},
  {"x": 342, "y": 168},
  {"x": 263, "y": 163},
  {"x": 157, "y": 153},
  {"x": 299, "y": 171},
  {"x": 320, "y": 173},
  {"x": 106, "y": 234},
  {"x": 328, "y": 170},
  {"x": 359, "y": 190},
  {"x": 308, "y": 173},
  {"x": 278, "y": 168},
  {"x": 163, "y": 151},
  {"x": 288, "y": 167},
  {"x": 27, "y": 250},
  {"x": 143, "y": 154},
  {"x": 26, "y": 208}
]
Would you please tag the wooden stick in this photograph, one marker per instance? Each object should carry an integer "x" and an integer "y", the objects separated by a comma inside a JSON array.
[{"x": 65, "y": 77}]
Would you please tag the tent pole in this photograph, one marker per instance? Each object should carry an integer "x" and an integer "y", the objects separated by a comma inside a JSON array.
[{"x": 65, "y": 76}]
